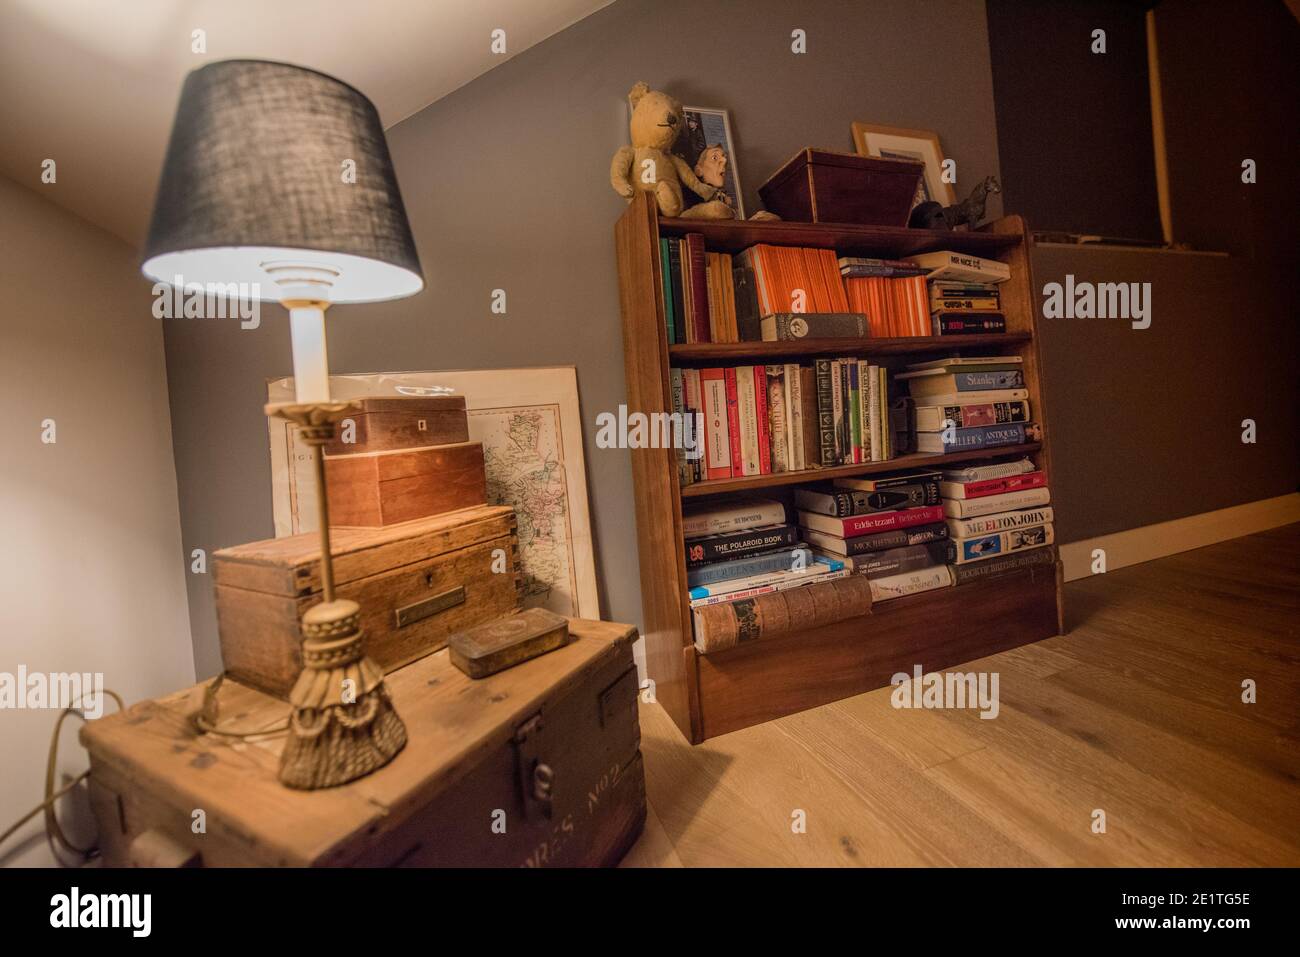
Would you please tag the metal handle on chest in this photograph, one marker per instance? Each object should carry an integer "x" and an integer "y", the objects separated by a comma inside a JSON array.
[
  {"x": 536, "y": 777},
  {"x": 428, "y": 607}
]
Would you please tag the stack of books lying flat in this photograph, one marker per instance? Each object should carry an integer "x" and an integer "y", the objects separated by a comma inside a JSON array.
[
  {"x": 998, "y": 519},
  {"x": 743, "y": 559},
  {"x": 963, "y": 293},
  {"x": 889, "y": 529},
  {"x": 969, "y": 403}
]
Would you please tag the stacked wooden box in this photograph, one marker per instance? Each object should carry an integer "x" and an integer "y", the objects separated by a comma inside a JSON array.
[{"x": 414, "y": 543}]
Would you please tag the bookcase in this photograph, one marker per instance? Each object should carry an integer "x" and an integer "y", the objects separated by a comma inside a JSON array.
[{"x": 709, "y": 695}]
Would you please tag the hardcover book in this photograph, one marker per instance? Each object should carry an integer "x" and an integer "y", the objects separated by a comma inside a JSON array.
[
  {"x": 961, "y": 364},
  {"x": 926, "y": 382},
  {"x": 784, "y": 559},
  {"x": 1003, "y": 564},
  {"x": 997, "y": 486},
  {"x": 998, "y": 522},
  {"x": 859, "y": 266},
  {"x": 952, "y": 266},
  {"x": 896, "y": 561},
  {"x": 976, "y": 473},
  {"x": 962, "y": 550},
  {"x": 712, "y": 548},
  {"x": 781, "y": 583},
  {"x": 876, "y": 541},
  {"x": 966, "y": 323},
  {"x": 991, "y": 504},
  {"x": 825, "y": 413},
  {"x": 732, "y": 587},
  {"x": 717, "y": 441},
  {"x": 935, "y": 418},
  {"x": 731, "y": 515},
  {"x": 979, "y": 437},
  {"x": 810, "y": 606},
  {"x": 842, "y": 503},
  {"x": 910, "y": 583},
  {"x": 924, "y": 476},
  {"x": 965, "y": 398},
  {"x": 877, "y": 522},
  {"x": 786, "y": 326}
]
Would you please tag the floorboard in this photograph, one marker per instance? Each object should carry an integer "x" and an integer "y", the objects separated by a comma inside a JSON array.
[{"x": 1137, "y": 712}]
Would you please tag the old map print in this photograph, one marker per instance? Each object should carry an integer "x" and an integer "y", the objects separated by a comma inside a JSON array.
[
  {"x": 525, "y": 468},
  {"x": 529, "y": 424}
]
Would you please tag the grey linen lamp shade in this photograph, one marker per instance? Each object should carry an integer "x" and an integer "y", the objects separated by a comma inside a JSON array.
[{"x": 255, "y": 173}]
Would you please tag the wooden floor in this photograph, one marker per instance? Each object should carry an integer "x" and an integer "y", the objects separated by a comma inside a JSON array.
[{"x": 1136, "y": 712}]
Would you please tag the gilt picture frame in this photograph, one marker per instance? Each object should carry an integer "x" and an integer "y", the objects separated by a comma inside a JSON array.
[{"x": 892, "y": 142}]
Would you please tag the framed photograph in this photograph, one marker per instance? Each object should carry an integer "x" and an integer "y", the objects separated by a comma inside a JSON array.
[
  {"x": 891, "y": 142},
  {"x": 706, "y": 144},
  {"x": 531, "y": 430}
]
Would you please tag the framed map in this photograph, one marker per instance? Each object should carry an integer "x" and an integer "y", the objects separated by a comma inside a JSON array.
[{"x": 531, "y": 430}]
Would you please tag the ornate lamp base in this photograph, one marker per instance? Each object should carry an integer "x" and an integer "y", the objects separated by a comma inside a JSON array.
[{"x": 343, "y": 725}]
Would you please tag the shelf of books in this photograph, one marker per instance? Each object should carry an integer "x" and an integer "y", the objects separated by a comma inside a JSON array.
[{"x": 856, "y": 476}]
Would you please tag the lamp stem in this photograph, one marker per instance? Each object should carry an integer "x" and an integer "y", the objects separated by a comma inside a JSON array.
[{"x": 323, "y": 516}]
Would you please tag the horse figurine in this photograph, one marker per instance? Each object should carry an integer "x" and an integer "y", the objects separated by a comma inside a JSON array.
[{"x": 968, "y": 212}]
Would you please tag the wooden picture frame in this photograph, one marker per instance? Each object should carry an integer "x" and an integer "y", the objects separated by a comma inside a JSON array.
[{"x": 892, "y": 142}]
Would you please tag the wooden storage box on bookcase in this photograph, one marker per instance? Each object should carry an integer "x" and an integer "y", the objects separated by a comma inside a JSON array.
[
  {"x": 707, "y": 695},
  {"x": 821, "y": 186},
  {"x": 417, "y": 583}
]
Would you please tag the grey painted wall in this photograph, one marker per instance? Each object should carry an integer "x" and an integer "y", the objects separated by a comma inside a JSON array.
[{"x": 506, "y": 183}]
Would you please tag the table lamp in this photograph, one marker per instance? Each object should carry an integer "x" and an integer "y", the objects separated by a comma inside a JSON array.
[{"x": 277, "y": 185}]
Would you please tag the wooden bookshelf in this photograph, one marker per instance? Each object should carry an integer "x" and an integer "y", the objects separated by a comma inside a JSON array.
[{"x": 708, "y": 695}]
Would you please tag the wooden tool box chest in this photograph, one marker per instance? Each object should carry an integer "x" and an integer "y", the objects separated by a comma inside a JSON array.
[{"x": 539, "y": 765}]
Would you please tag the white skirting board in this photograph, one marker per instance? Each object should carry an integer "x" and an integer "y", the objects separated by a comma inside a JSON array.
[{"x": 1136, "y": 545}]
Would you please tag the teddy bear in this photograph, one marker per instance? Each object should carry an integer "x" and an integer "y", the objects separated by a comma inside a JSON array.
[{"x": 649, "y": 165}]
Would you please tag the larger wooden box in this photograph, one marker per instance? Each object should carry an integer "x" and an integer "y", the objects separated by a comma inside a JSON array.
[
  {"x": 463, "y": 792},
  {"x": 417, "y": 583},
  {"x": 819, "y": 186}
]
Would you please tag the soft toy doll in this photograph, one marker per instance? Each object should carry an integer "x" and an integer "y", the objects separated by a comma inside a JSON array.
[{"x": 648, "y": 164}]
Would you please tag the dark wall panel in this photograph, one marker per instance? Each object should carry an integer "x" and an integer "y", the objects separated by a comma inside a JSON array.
[
  {"x": 1146, "y": 424},
  {"x": 1074, "y": 127},
  {"x": 1231, "y": 89}
]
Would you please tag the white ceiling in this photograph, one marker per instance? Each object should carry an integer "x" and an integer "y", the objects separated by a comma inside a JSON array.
[{"x": 93, "y": 84}]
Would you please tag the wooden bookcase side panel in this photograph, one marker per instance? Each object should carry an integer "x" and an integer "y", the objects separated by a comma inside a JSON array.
[{"x": 665, "y": 609}]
